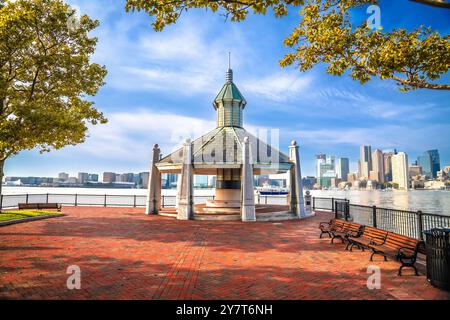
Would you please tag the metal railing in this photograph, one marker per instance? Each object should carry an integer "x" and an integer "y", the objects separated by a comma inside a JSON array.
[
  {"x": 107, "y": 200},
  {"x": 408, "y": 223}
]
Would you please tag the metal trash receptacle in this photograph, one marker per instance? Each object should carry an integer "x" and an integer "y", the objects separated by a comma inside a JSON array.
[{"x": 437, "y": 245}]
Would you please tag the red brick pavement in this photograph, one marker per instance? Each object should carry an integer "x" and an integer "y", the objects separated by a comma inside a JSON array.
[{"x": 124, "y": 254}]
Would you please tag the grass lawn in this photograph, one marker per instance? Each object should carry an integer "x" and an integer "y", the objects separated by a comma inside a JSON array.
[{"x": 20, "y": 214}]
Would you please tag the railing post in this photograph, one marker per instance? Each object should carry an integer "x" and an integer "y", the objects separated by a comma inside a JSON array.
[
  {"x": 76, "y": 199},
  {"x": 347, "y": 210},
  {"x": 104, "y": 201},
  {"x": 1, "y": 202},
  {"x": 335, "y": 210},
  {"x": 420, "y": 224},
  {"x": 134, "y": 201},
  {"x": 333, "y": 205},
  {"x": 374, "y": 216},
  {"x": 162, "y": 204},
  {"x": 314, "y": 203},
  {"x": 46, "y": 198},
  {"x": 26, "y": 198}
]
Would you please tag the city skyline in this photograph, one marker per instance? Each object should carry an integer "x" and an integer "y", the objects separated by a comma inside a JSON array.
[{"x": 163, "y": 93}]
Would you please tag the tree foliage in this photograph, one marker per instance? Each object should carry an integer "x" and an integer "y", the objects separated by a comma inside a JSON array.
[
  {"x": 325, "y": 34},
  {"x": 46, "y": 76}
]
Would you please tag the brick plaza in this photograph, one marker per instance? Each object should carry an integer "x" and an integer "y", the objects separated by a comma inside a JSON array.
[{"x": 124, "y": 254}]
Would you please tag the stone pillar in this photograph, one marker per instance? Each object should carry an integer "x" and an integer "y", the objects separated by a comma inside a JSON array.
[
  {"x": 297, "y": 202},
  {"x": 185, "y": 196},
  {"x": 154, "y": 184},
  {"x": 248, "y": 194}
]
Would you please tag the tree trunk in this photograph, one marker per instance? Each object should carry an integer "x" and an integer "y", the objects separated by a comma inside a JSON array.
[{"x": 2, "y": 163}]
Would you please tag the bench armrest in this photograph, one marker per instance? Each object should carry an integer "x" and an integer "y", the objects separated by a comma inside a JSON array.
[
  {"x": 377, "y": 241},
  {"x": 407, "y": 252}
]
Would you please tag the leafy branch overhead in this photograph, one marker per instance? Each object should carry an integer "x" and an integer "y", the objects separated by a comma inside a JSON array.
[
  {"x": 46, "y": 76},
  {"x": 325, "y": 34}
]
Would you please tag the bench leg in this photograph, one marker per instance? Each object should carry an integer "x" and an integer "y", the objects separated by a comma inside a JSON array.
[{"x": 406, "y": 265}]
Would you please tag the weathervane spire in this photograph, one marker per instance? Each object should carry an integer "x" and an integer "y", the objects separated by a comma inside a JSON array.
[{"x": 229, "y": 74}]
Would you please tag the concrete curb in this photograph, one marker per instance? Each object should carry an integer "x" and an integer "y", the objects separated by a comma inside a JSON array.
[{"x": 48, "y": 216}]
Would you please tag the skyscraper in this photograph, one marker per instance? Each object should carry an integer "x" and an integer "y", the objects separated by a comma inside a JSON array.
[
  {"x": 365, "y": 161},
  {"x": 400, "y": 174},
  {"x": 320, "y": 158},
  {"x": 426, "y": 163},
  {"x": 378, "y": 166},
  {"x": 343, "y": 168},
  {"x": 387, "y": 165},
  {"x": 435, "y": 161}
]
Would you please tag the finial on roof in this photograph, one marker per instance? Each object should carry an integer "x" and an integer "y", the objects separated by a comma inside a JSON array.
[{"x": 229, "y": 74}]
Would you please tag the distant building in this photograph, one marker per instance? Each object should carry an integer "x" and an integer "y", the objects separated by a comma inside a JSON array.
[
  {"x": 365, "y": 161},
  {"x": 415, "y": 170},
  {"x": 435, "y": 162},
  {"x": 63, "y": 176},
  {"x": 400, "y": 172},
  {"x": 352, "y": 177},
  {"x": 309, "y": 182},
  {"x": 387, "y": 165},
  {"x": 143, "y": 179},
  {"x": 426, "y": 163},
  {"x": 93, "y": 177},
  {"x": 82, "y": 177},
  {"x": 343, "y": 168},
  {"x": 377, "y": 172},
  {"x": 109, "y": 177},
  {"x": 171, "y": 180},
  {"x": 320, "y": 158}
]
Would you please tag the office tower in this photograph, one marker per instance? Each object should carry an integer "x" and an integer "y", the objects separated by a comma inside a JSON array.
[
  {"x": 143, "y": 179},
  {"x": 387, "y": 165},
  {"x": 92, "y": 177},
  {"x": 320, "y": 158},
  {"x": 415, "y": 170},
  {"x": 365, "y": 161},
  {"x": 109, "y": 177},
  {"x": 400, "y": 174},
  {"x": 426, "y": 162},
  {"x": 63, "y": 176},
  {"x": 435, "y": 162},
  {"x": 82, "y": 177},
  {"x": 343, "y": 168},
  {"x": 377, "y": 166}
]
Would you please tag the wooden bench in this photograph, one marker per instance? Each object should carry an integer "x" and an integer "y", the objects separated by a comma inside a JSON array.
[
  {"x": 349, "y": 229},
  {"x": 327, "y": 227},
  {"x": 39, "y": 206},
  {"x": 404, "y": 249},
  {"x": 369, "y": 235}
]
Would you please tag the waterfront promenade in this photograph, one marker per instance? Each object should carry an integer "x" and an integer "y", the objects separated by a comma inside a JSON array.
[{"x": 124, "y": 254}]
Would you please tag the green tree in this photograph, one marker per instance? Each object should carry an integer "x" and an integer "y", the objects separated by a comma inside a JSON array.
[
  {"x": 414, "y": 59},
  {"x": 46, "y": 77}
]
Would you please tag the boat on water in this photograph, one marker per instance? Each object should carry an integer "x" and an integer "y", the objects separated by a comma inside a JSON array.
[{"x": 266, "y": 191}]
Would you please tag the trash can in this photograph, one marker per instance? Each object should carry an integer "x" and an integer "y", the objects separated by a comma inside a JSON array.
[{"x": 437, "y": 245}]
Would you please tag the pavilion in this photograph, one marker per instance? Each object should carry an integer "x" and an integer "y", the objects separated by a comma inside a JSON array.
[{"x": 234, "y": 156}]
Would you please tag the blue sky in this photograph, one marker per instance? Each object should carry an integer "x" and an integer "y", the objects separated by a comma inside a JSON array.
[{"x": 160, "y": 88}]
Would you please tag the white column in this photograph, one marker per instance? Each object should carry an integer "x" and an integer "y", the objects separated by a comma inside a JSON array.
[
  {"x": 185, "y": 196},
  {"x": 297, "y": 202},
  {"x": 154, "y": 184},
  {"x": 248, "y": 194}
]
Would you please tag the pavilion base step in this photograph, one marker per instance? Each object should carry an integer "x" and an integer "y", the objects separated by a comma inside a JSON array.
[
  {"x": 218, "y": 210},
  {"x": 168, "y": 214},
  {"x": 275, "y": 216},
  {"x": 218, "y": 217}
]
